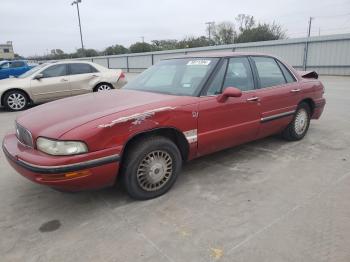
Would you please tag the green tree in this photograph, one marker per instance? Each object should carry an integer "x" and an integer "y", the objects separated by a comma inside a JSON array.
[
  {"x": 160, "y": 45},
  {"x": 191, "y": 42},
  {"x": 140, "y": 47},
  {"x": 245, "y": 22},
  {"x": 115, "y": 50},
  {"x": 262, "y": 32},
  {"x": 224, "y": 33}
]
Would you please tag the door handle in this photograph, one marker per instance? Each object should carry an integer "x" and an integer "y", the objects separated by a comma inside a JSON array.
[
  {"x": 64, "y": 80},
  {"x": 94, "y": 75},
  {"x": 253, "y": 99},
  {"x": 295, "y": 90}
]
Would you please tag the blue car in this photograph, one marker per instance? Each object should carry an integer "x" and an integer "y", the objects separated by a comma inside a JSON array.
[{"x": 13, "y": 68}]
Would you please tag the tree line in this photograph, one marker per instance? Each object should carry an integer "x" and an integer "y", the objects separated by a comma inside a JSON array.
[{"x": 244, "y": 29}]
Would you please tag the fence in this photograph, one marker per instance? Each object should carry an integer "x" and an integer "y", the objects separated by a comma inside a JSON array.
[{"x": 328, "y": 55}]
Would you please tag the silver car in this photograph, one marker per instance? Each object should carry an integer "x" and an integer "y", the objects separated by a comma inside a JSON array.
[{"x": 50, "y": 81}]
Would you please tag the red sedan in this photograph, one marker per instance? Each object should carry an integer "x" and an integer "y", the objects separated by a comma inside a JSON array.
[{"x": 175, "y": 111}]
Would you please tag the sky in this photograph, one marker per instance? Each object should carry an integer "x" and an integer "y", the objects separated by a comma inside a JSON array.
[{"x": 37, "y": 26}]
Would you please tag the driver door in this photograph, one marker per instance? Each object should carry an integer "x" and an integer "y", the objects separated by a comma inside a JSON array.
[
  {"x": 235, "y": 121},
  {"x": 54, "y": 84}
]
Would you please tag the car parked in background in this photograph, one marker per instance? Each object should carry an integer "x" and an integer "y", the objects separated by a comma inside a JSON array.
[
  {"x": 175, "y": 111},
  {"x": 50, "y": 81},
  {"x": 13, "y": 68}
]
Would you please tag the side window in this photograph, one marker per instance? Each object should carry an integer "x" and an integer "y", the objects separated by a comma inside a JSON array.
[
  {"x": 289, "y": 77},
  {"x": 5, "y": 65},
  {"x": 269, "y": 72},
  {"x": 17, "y": 64},
  {"x": 239, "y": 74},
  {"x": 55, "y": 71},
  {"x": 216, "y": 84},
  {"x": 77, "y": 69}
]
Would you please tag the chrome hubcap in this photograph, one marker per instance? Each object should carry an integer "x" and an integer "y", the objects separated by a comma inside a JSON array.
[
  {"x": 154, "y": 170},
  {"x": 301, "y": 121},
  {"x": 16, "y": 101},
  {"x": 103, "y": 88}
]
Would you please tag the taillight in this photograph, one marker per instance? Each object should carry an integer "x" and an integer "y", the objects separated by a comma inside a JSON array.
[{"x": 122, "y": 76}]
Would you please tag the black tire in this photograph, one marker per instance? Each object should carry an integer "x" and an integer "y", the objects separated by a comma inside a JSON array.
[
  {"x": 99, "y": 86},
  {"x": 16, "y": 100},
  {"x": 291, "y": 133},
  {"x": 136, "y": 156}
]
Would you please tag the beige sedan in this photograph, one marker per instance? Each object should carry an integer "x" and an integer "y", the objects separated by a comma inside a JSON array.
[{"x": 52, "y": 81}]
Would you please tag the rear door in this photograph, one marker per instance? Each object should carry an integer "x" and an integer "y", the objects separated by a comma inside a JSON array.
[
  {"x": 235, "y": 121},
  {"x": 53, "y": 85},
  {"x": 83, "y": 78},
  {"x": 278, "y": 93}
]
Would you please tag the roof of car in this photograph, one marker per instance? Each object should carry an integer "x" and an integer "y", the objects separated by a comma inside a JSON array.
[{"x": 225, "y": 54}]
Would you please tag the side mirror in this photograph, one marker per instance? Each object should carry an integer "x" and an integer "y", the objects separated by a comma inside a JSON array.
[
  {"x": 229, "y": 92},
  {"x": 38, "y": 76}
]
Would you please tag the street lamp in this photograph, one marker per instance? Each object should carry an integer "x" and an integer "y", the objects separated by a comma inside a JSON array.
[{"x": 76, "y": 2}]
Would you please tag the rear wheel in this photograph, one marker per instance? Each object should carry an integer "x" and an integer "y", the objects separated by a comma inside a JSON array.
[
  {"x": 150, "y": 167},
  {"x": 298, "y": 128},
  {"x": 16, "y": 100},
  {"x": 103, "y": 87}
]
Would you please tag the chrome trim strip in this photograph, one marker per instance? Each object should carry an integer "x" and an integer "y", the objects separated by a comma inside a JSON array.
[
  {"x": 191, "y": 136},
  {"x": 277, "y": 116},
  {"x": 62, "y": 168}
]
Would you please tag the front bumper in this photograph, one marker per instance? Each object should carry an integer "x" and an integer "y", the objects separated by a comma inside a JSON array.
[{"x": 71, "y": 173}]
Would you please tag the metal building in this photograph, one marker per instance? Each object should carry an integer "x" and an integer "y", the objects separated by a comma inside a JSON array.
[{"x": 326, "y": 54}]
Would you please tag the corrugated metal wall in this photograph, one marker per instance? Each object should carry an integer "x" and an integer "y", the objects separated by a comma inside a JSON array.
[{"x": 325, "y": 54}]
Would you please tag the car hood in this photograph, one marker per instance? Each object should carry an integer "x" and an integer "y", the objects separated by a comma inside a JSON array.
[
  {"x": 13, "y": 82},
  {"x": 59, "y": 117}
]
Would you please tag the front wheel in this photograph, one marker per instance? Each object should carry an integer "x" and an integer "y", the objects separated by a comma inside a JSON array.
[
  {"x": 298, "y": 128},
  {"x": 150, "y": 167},
  {"x": 16, "y": 100}
]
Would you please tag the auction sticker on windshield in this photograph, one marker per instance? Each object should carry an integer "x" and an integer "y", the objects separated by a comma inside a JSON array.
[{"x": 199, "y": 62}]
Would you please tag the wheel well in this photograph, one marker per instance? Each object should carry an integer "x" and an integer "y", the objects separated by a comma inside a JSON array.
[
  {"x": 171, "y": 133},
  {"x": 14, "y": 89},
  {"x": 101, "y": 83},
  {"x": 311, "y": 104}
]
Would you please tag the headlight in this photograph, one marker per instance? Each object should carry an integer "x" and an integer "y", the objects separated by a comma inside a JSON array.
[{"x": 60, "y": 148}]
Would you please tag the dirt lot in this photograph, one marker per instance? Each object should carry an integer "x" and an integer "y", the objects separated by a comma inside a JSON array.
[{"x": 269, "y": 200}]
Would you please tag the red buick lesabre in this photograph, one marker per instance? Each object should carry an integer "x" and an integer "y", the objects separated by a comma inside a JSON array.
[{"x": 175, "y": 111}]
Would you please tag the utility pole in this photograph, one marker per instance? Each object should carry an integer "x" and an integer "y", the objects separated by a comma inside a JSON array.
[
  {"x": 306, "y": 48},
  {"x": 209, "y": 24},
  {"x": 76, "y": 2}
]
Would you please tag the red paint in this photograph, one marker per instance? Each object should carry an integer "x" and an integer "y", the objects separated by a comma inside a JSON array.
[{"x": 221, "y": 121}]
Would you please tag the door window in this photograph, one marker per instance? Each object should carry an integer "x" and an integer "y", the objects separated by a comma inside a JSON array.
[
  {"x": 239, "y": 74},
  {"x": 17, "y": 64},
  {"x": 77, "y": 69},
  {"x": 217, "y": 82},
  {"x": 269, "y": 72},
  {"x": 289, "y": 77},
  {"x": 55, "y": 71}
]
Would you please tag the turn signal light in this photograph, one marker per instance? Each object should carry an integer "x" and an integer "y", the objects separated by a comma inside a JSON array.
[{"x": 69, "y": 175}]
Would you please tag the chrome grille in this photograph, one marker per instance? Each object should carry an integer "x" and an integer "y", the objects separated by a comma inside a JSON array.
[{"x": 24, "y": 136}]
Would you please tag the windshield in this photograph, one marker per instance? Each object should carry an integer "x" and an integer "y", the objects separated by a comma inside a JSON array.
[
  {"x": 175, "y": 76},
  {"x": 32, "y": 71}
]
